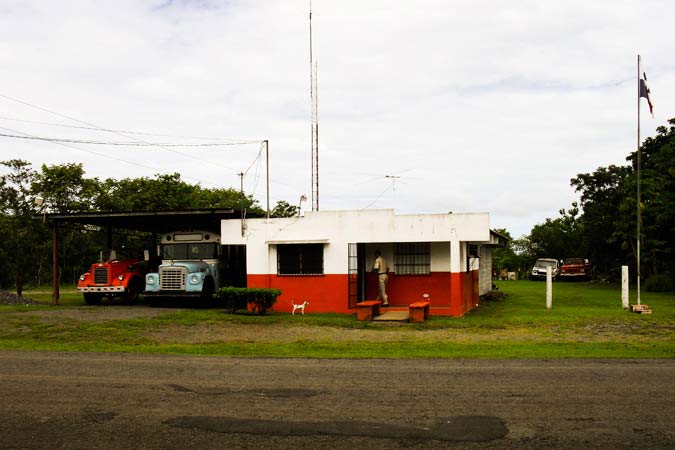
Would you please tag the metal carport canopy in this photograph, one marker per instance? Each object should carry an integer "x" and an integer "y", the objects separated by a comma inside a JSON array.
[{"x": 150, "y": 221}]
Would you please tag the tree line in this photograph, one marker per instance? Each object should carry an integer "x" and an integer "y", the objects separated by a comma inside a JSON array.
[
  {"x": 602, "y": 225},
  {"x": 26, "y": 244}
]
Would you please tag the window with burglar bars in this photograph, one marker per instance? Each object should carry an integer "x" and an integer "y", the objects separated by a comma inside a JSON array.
[
  {"x": 412, "y": 258},
  {"x": 300, "y": 259}
]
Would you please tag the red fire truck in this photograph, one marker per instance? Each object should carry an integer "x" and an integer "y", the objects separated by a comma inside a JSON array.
[{"x": 113, "y": 277}]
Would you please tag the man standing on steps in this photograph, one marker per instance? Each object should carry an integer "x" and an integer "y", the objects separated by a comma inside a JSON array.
[{"x": 381, "y": 268}]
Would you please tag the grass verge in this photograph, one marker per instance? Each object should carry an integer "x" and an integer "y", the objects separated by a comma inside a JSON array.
[{"x": 586, "y": 321}]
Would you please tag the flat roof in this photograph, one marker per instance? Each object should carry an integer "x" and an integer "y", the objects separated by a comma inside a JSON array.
[{"x": 158, "y": 221}]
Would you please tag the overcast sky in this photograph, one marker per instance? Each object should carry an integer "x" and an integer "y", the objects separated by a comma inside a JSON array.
[{"x": 478, "y": 106}]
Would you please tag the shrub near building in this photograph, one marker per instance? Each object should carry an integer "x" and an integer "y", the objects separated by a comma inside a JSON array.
[{"x": 258, "y": 300}]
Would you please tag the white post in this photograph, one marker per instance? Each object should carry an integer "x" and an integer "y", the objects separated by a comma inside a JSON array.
[
  {"x": 549, "y": 287},
  {"x": 625, "y": 300}
]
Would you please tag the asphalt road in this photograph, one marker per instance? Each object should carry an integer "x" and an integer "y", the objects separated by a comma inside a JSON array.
[{"x": 123, "y": 401}]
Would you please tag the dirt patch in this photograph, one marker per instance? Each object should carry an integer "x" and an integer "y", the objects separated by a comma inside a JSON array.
[
  {"x": 104, "y": 314},
  {"x": 98, "y": 315},
  {"x": 248, "y": 333},
  {"x": 288, "y": 334},
  {"x": 85, "y": 314},
  {"x": 9, "y": 298},
  {"x": 453, "y": 429}
]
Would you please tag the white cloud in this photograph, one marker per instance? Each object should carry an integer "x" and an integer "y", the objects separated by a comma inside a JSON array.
[{"x": 478, "y": 106}]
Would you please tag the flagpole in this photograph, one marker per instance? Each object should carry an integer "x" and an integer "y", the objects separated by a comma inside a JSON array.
[{"x": 639, "y": 209}]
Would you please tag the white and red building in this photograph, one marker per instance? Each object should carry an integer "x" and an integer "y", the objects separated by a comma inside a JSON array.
[{"x": 325, "y": 257}]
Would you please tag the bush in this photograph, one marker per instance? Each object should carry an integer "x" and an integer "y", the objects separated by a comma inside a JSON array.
[
  {"x": 659, "y": 283},
  {"x": 493, "y": 295},
  {"x": 259, "y": 300}
]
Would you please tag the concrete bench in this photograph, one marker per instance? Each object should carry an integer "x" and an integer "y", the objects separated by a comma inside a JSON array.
[
  {"x": 419, "y": 311},
  {"x": 368, "y": 309}
]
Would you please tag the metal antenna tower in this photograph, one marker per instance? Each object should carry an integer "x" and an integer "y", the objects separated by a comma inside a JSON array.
[{"x": 313, "y": 93}]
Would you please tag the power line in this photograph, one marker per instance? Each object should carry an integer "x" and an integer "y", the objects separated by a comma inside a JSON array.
[
  {"x": 138, "y": 142},
  {"x": 133, "y": 144},
  {"x": 378, "y": 197},
  {"x": 126, "y": 144},
  {"x": 99, "y": 128},
  {"x": 109, "y": 130},
  {"x": 135, "y": 163}
]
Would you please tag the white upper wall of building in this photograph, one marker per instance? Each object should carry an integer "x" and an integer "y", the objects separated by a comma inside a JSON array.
[
  {"x": 369, "y": 226},
  {"x": 336, "y": 229}
]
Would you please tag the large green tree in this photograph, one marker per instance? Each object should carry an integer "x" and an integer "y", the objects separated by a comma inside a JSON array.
[
  {"x": 657, "y": 200},
  {"x": 603, "y": 195},
  {"x": 25, "y": 251},
  {"x": 65, "y": 189},
  {"x": 509, "y": 257},
  {"x": 24, "y": 240},
  {"x": 609, "y": 203},
  {"x": 556, "y": 238},
  {"x": 167, "y": 192}
]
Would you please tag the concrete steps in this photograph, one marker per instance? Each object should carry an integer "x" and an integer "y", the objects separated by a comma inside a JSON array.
[
  {"x": 393, "y": 315},
  {"x": 640, "y": 309}
]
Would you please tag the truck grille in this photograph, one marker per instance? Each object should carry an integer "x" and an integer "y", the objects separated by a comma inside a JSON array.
[
  {"x": 172, "y": 278},
  {"x": 101, "y": 275}
]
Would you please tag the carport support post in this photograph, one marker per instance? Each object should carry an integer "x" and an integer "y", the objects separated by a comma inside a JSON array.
[
  {"x": 55, "y": 264},
  {"x": 549, "y": 288},
  {"x": 625, "y": 299}
]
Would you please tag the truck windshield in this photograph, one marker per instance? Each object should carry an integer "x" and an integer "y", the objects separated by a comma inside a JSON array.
[
  {"x": 574, "y": 261},
  {"x": 190, "y": 251},
  {"x": 545, "y": 263}
]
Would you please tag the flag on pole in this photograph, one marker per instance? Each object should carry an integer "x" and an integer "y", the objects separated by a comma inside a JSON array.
[{"x": 644, "y": 92}]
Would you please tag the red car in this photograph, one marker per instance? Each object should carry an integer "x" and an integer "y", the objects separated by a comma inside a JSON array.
[{"x": 576, "y": 269}]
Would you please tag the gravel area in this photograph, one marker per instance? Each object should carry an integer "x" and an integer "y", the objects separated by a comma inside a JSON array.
[{"x": 9, "y": 298}]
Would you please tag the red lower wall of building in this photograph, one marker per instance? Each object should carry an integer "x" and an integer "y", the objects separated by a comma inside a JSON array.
[
  {"x": 451, "y": 294},
  {"x": 465, "y": 292},
  {"x": 326, "y": 293},
  {"x": 403, "y": 290}
]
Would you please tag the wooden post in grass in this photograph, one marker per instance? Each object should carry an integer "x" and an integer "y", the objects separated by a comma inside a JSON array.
[
  {"x": 549, "y": 288},
  {"x": 625, "y": 300}
]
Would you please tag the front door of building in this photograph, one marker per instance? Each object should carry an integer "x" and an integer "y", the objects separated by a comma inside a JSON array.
[{"x": 356, "y": 273}]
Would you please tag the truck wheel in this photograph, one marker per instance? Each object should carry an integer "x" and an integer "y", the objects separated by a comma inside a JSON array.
[
  {"x": 92, "y": 299},
  {"x": 132, "y": 292}
]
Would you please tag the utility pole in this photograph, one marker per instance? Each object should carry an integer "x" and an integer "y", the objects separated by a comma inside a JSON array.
[
  {"x": 267, "y": 171},
  {"x": 639, "y": 207},
  {"x": 393, "y": 186},
  {"x": 314, "y": 133},
  {"x": 241, "y": 202}
]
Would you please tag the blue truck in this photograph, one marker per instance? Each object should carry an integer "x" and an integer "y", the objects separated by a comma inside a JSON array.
[{"x": 190, "y": 267}]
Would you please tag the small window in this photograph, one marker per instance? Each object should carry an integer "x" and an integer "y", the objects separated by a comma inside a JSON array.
[
  {"x": 412, "y": 258},
  {"x": 300, "y": 259}
]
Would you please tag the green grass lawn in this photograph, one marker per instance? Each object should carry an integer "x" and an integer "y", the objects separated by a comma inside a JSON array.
[{"x": 586, "y": 321}]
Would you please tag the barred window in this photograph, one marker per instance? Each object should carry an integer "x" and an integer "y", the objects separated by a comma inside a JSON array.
[
  {"x": 300, "y": 259},
  {"x": 412, "y": 258}
]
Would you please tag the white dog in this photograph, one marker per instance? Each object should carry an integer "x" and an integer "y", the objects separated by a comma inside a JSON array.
[{"x": 301, "y": 307}]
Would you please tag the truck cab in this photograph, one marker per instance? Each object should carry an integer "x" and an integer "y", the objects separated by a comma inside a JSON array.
[
  {"x": 190, "y": 266},
  {"x": 576, "y": 269},
  {"x": 539, "y": 268},
  {"x": 113, "y": 276}
]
